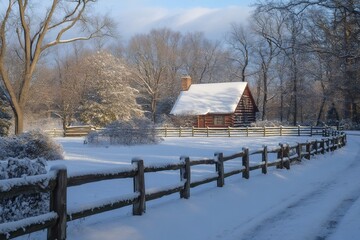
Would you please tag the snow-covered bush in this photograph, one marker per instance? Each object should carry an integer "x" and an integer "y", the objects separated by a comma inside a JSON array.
[
  {"x": 348, "y": 124},
  {"x": 266, "y": 123},
  {"x": 178, "y": 121},
  {"x": 26, "y": 205},
  {"x": 137, "y": 131},
  {"x": 33, "y": 144}
]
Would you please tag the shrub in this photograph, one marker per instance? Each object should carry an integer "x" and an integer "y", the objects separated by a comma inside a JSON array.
[
  {"x": 178, "y": 121},
  {"x": 26, "y": 205},
  {"x": 348, "y": 124},
  {"x": 33, "y": 144},
  {"x": 266, "y": 123},
  {"x": 137, "y": 131}
]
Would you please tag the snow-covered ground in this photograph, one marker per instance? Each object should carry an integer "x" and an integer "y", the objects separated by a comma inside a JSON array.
[{"x": 316, "y": 199}]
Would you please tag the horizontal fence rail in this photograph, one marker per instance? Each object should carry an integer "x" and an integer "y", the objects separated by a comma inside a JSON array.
[
  {"x": 81, "y": 131},
  {"x": 56, "y": 182}
]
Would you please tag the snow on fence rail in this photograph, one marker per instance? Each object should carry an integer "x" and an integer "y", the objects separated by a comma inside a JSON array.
[
  {"x": 57, "y": 182},
  {"x": 79, "y": 131}
]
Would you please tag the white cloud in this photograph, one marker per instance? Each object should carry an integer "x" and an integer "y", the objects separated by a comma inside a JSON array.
[{"x": 214, "y": 22}]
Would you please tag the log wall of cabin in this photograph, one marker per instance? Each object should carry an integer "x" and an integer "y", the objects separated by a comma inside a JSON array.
[
  {"x": 208, "y": 120},
  {"x": 245, "y": 112}
]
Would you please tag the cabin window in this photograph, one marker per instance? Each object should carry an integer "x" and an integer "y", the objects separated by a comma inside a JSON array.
[{"x": 219, "y": 120}]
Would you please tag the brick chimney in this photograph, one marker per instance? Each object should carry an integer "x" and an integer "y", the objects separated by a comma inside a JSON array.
[{"x": 185, "y": 83}]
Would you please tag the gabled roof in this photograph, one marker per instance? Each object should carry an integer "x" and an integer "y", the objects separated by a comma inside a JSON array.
[{"x": 216, "y": 98}]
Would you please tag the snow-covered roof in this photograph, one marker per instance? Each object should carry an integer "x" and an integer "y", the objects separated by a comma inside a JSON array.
[{"x": 202, "y": 99}]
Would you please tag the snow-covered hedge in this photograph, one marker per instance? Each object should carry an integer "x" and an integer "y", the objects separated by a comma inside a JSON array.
[
  {"x": 177, "y": 121},
  {"x": 267, "y": 123},
  {"x": 22, "y": 206},
  {"x": 136, "y": 131},
  {"x": 33, "y": 144},
  {"x": 347, "y": 124}
]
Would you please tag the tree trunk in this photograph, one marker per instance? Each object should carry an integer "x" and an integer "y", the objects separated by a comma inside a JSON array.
[
  {"x": 265, "y": 100},
  {"x": 153, "y": 108},
  {"x": 19, "y": 121},
  {"x": 295, "y": 93},
  {"x": 321, "y": 110}
]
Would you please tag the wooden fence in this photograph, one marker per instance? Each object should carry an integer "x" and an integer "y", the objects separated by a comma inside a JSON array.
[
  {"x": 72, "y": 131},
  {"x": 244, "y": 131},
  {"x": 56, "y": 182},
  {"x": 80, "y": 131}
]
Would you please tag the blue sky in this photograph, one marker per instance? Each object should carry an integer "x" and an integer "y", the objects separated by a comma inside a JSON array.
[{"x": 213, "y": 17}]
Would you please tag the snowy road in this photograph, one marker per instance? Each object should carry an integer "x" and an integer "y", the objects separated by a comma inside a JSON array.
[
  {"x": 314, "y": 214},
  {"x": 327, "y": 210},
  {"x": 314, "y": 200}
]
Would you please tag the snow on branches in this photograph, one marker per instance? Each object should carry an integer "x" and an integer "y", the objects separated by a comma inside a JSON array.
[{"x": 108, "y": 95}]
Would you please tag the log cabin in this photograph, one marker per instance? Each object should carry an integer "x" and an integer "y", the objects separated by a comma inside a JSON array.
[{"x": 227, "y": 104}]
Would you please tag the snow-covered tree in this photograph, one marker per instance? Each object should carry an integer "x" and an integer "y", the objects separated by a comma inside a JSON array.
[{"x": 108, "y": 95}]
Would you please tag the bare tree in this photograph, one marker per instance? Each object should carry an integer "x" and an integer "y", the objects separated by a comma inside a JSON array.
[
  {"x": 70, "y": 85},
  {"x": 239, "y": 41},
  {"x": 201, "y": 58},
  {"x": 266, "y": 26},
  {"x": 332, "y": 32},
  {"x": 156, "y": 65},
  {"x": 33, "y": 29}
]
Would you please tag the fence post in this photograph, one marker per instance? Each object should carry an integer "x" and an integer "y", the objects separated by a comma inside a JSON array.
[
  {"x": 220, "y": 169},
  {"x": 246, "y": 164},
  {"x": 299, "y": 133},
  {"x": 185, "y": 174},
  {"x": 281, "y": 130},
  {"x": 264, "y": 160},
  {"x": 280, "y": 155},
  {"x": 324, "y": 132},
  {"x": 335, "y": 143},
  {"x": 192, "y": 131},
  {"x": 207, "y": 131},
  {"x": 327, "y": 145},
  {"x": 180, "y": 131},
  {"x": 287, "y": 155},
  {"x": 264, "y": 131},
  {"x": 58, "y": 204},
  {"x": 247, "y": 131},
  {"x": 332, "y": 144},
  {"x": 165, "y": 131},
  {"x": 322, "y": 146},
  {"x": 139, "y": 206},
  {"x": 308, "y": 151},
  {"x": 341, "y": 141},
  {"x": 298, "y": 151},
  {"x": 229, "y": 131}
]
